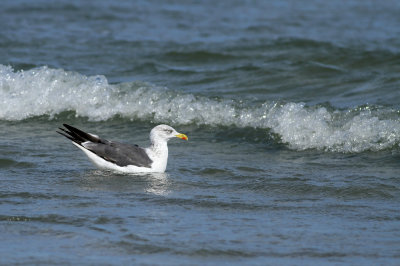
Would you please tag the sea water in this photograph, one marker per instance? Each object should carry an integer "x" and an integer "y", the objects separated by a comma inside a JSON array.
[{"x": 291, "y": 109}]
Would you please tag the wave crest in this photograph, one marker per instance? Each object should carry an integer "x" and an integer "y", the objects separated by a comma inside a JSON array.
[{"x": 45, "y": 91}]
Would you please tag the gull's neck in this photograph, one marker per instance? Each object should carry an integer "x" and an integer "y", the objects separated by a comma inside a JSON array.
[
  {"x": 159, "y": 146},
  {"x": 158, "y": 152}
]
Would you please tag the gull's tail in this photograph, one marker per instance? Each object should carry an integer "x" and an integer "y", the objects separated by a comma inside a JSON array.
[{"x": 77, "y": 135}]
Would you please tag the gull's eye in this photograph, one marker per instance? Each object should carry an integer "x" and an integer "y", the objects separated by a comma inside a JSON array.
[{"x": 169, "y": 131}]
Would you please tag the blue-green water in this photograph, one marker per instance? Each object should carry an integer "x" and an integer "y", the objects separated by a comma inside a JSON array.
[{"x": 291, "y": 109}]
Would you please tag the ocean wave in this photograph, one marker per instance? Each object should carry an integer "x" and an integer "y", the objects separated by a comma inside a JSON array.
[{"x": 45, "y": 91}]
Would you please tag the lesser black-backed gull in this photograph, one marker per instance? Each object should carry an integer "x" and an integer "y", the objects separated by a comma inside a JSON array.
[{"x": 125, "y": 157}]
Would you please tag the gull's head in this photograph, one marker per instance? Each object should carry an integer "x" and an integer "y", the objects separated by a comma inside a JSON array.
[{"x": 165, "y": 132}]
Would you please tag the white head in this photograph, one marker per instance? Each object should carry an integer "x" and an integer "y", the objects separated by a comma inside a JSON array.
[{"x": 164, "y": 132}]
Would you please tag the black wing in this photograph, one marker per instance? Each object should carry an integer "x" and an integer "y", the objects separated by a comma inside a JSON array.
[{"x": 115, "y": 152}]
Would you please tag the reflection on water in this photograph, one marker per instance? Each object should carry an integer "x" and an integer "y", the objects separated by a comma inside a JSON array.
[
  {"x": 158, "y": 184},
  {"x": 103, "y": 180}
]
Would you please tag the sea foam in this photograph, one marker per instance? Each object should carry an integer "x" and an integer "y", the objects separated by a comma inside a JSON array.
[{"x": 46, "y": 91}]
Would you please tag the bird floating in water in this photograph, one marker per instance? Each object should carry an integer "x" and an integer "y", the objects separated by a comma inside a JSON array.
[{"x": 123, "y": 157}]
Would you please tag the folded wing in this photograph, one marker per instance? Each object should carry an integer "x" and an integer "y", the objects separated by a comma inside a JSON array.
[{"x": 118, "y": 153}]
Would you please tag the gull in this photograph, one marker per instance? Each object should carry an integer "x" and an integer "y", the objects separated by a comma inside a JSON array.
[{"x": 123, "y": 157}]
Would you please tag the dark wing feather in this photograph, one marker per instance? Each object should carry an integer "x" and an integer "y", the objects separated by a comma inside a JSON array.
[
  {"x": 120, "y": 153},
  {"x": 115, "y": 152},
  {"x": 78, "y": 136}
]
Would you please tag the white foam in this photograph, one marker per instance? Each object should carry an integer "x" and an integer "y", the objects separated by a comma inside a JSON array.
[
  {"x": 344, "y": 131},
  {"x": 45, "y": 91}
]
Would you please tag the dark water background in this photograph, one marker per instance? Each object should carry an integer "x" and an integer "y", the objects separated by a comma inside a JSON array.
[{"x": 291, "y": 108}]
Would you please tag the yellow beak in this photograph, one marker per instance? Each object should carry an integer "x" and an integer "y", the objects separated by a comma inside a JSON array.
[{"x": 182, "y": 136}]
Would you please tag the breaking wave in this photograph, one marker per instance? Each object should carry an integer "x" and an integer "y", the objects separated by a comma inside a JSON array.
[{"x": 46, "y": 91}]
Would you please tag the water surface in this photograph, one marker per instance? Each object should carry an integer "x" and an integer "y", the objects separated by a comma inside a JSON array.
[{"x": 291, "y": 109}]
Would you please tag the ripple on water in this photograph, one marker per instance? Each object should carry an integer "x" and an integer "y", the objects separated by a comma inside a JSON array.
[{"x": 10, "y": 163}]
